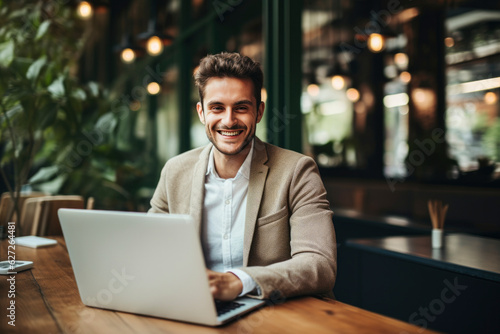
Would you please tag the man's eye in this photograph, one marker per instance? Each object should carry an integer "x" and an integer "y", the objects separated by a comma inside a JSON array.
[
  {"x": 215, "y": 108},
  {"x": 241, "y": 109}
]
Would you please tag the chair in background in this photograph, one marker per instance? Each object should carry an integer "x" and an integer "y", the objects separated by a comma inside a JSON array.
[
  {"x": 90, "y": 203},
  {"x": 39, "y": 215},
  {"x": 30, "y": 216},
  {"x": 7, "y": 205}
]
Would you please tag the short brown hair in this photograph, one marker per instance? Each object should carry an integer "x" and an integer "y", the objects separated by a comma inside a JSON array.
[{"x": 230, "y": 65}]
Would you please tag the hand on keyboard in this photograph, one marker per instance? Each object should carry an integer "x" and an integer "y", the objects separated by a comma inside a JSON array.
[{"x": 224, "y": 286}]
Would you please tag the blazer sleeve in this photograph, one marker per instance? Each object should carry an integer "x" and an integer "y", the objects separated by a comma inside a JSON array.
[
  {"x": 312, "y": 266},
  {"x": 159, "y": 201}
]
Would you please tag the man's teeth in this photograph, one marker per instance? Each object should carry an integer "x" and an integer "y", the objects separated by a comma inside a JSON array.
[{"x": 229, "y": 133}]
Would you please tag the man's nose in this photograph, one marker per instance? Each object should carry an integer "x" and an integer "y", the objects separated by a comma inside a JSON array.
[{"x": 229, "y": 117}]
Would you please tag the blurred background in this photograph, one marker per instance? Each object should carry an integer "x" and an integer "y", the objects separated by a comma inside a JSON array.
[{"x": 396, "y": 100}]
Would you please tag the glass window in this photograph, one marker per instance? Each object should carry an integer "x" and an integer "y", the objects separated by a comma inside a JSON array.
[
  {"x": 473, "y": 87},
  {"x": 328, "y": 96}
]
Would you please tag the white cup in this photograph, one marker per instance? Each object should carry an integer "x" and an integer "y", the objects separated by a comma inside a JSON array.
[{"x": 437, "y": 238}]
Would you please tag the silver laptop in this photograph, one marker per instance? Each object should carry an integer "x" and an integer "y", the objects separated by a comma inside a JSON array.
[{"x": 149, "y": 264}]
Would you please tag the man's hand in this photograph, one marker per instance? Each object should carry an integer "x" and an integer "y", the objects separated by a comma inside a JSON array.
[{"x": 224, "y": 286}]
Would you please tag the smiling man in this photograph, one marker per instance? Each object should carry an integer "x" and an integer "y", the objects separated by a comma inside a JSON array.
[{"x": 265, "y": 223}]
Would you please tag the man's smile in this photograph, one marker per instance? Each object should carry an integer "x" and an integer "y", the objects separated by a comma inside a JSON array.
[{"x": 229, "y": 133}]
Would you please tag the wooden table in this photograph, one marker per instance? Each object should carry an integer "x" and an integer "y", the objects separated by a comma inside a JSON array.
[
  {"x": 454, "y": 289},
  {"x": 47, "y": 301}
]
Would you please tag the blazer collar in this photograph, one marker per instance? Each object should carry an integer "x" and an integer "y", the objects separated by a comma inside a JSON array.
[
  {"x": 198, "y": 187},
  {"x": 258, "y": 175}
]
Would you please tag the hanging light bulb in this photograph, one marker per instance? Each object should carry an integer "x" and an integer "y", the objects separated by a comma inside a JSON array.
[
  {"x": 154, "y": 46},
  {"x": 376, "y": 43},
  {"x": 153, "y": 88},
  {"x": 84, "y": 10},
  {"x": 313, "y": 90},
  {"x": 127, "y": 49},
  {"x": 263, "y": 95},
  {"x": 490, "y": 98},
  {"x": 352, "y": 95},
  {"x": 424, "y": 99},
  {"x": 338, "y": 82},
  {"x": 405, "y": 76},
  {"x": 135, "y": 105},
  {"x": 401, "y": 60},
  {"x": 449, "y": 42},
  {"x": 155, "y": 39},
  {"x": 128, "y": 55}
]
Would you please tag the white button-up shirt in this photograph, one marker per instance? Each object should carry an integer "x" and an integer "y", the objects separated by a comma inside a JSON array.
[{"x": 223, "y": 225}]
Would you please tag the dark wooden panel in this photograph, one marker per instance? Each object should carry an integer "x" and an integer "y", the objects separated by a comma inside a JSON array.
[
  {"x": 455, "y": 289},
  {"x": 428, "y": 297}
]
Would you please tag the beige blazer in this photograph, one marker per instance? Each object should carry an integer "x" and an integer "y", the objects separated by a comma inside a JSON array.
[{"x": 289, "y": 240}]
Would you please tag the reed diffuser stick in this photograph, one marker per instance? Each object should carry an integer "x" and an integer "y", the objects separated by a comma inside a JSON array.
[{"x": 437, "y": 211}]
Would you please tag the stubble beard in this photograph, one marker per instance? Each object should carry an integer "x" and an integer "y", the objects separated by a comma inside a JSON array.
[{"x": 239, "y": 150}]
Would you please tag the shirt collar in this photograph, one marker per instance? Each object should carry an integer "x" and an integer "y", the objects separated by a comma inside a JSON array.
[{"x": 244, "y": 169}]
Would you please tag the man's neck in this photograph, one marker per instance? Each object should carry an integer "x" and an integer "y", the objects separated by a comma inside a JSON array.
[{"x": 227, "y": 166}]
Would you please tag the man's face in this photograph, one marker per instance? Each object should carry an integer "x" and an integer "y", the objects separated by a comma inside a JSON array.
[{"x": 230, "y": 114}]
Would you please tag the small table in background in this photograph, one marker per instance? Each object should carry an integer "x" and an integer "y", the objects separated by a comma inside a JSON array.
[{"x": 453, "y": 289}]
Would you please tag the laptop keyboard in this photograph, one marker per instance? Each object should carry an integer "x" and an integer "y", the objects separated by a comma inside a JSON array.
[{"x": 224, "y": 307}]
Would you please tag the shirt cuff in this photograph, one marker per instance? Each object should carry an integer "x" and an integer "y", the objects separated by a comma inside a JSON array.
[{"x": 248, "y": 283}]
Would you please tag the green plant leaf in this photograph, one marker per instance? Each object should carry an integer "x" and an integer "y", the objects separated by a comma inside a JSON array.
[
  {"x": 106, "y": 123},
  {"x": 94, "y": 88},
  {"x": 20, "y": 65},
  {"x": 44, "y": 174},
  {"x": 6, "y": 53},
  {"x": 35, "y": 68},
  {"x": 53, "y": 186},
  {"x": 12, "y": 112},
  {"x": 18, "y": 13},
  {"x": 42, "y": 29},
  {"x": 56, "y": 88},
  {"x": 29, "y": 108},
  {"x": 46, "y": 115},
  {"x": 79, "y": 94}
]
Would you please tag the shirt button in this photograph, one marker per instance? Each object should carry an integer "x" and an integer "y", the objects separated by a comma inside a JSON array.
[
  {"x": 226, "y": 236},
  {"x": 227, "y": 202}
]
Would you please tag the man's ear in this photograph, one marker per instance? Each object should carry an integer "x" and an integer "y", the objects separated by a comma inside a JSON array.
[
  {"x": 260, "y": 111},
  {"x": 201, "y": 115}
]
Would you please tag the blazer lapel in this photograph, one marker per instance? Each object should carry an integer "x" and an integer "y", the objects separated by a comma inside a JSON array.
[
  {"x": 198, "y": 187},
  {"x": 258, "y": 174}
]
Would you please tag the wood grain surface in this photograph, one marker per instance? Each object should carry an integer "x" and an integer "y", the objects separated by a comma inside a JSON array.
[{"x": 47, "y": 301}]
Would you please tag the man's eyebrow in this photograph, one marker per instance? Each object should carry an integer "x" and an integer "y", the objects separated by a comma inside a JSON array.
[
  {"x": 211, "y": 103},
  {"x": 243, "y": 102}
]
